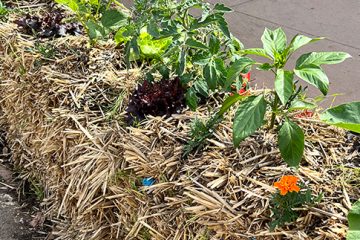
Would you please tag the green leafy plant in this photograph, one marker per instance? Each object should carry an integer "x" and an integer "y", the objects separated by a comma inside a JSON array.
[
  {"x": 98, "y": 17},
  {"x": 288, "y": 95},
  {"x": 354, "y": 222},
  {"x": 194, "y": 48},
  {"x": 289, "y": 196},
  {"x": 3, "y": 10}
]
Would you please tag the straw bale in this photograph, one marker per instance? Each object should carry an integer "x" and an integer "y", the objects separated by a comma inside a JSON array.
[{"x": 56, "y": 113}]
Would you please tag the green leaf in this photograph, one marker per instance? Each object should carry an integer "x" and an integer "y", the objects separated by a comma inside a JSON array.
[
  {"x": 120, "y": 38},
  {"x": 354, "y": 222},
  {"x": 248, "y": 118},
  {"x": 72, "y": 4},
  {"x": 224, "y": 27},
  {"x": 236, "y": 68},
  {"x": 95, "y": 30},
  {"x": 298, "y": 104},
  {"x": 274, "y": 42},
  {"x": 182, "y": 62},
  {"x": 291, "y": 143},
  {"x": 255, "y": 51},
  {"x": 201, "y": 87},
  {"x": 229, "y": 101},
  {"x": 201, "y": 58},
  {"x": 315, "y": 76},
  {"x": 284, "y": 85},
  {"x": 210, "y": 75},
  {"x": 345, "y": 116},
  {"x": 221, "y": 71},
  {"x": 214, "y": 44},
  {"x": 152, "y": 48},
  {"x": 265, "y": 67},
  {"x": 196, "y": 44},
  {"x": 191, "y": 99},
  {"x": 113, "y": 19},
  {"x": 153, "y": 29},
  {"x": 298, "y": 41},
  {"x": 94, "y": 2},
  {"x": 219, "y": 7},
  {"x": 319, "y": 58}
]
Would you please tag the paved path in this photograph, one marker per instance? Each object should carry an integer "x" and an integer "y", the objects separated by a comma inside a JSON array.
[{"x": 337, "y": 20}]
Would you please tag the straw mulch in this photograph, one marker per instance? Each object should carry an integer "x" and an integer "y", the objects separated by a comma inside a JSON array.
[{"x": 56, "y": 112}]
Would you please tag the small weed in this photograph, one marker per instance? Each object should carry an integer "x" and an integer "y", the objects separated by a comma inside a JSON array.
[
  {"x": 46, "y": 50},
  {"x": 37, "y": 189},
  {"x": 117, "y": 106},
  {"x": 145, "y": 234},
  {"x": 3, "y": 11},
  {"x": 125, "y": 176}
]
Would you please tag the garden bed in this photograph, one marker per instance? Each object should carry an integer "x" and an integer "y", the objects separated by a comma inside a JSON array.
[{"x": 65, "y": 132}]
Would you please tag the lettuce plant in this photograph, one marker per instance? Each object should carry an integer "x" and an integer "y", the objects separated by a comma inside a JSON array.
[{"x": 288, "y": 95}]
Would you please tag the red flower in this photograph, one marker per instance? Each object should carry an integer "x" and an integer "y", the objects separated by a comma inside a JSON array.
[
  {"x": 244, "y": 90},
  {"x": 246, "y": 76}
]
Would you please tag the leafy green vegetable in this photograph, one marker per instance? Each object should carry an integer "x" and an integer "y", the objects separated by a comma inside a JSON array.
[{"x": 152, "y": 48}]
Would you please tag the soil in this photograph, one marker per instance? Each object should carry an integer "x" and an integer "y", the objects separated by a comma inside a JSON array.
[{"x": 20, "y": 218}]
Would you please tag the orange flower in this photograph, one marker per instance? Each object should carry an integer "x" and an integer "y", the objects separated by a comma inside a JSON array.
[{"x": 287, "y": 184}]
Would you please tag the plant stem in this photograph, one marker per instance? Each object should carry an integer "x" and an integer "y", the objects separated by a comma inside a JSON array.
[{"x": 274, "y": 110}]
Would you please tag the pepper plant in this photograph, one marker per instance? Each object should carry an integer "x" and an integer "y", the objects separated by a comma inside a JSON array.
[{"x": 286, "y": 97}]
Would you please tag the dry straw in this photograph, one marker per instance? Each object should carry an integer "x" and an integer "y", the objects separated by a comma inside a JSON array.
[{"x": 61, "y": 125}]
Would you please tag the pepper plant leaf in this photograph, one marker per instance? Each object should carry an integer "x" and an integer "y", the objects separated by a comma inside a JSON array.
[
  {"x": 291, "y": 143},
  {"x": 248, "y": 118},
  {"x": 354, "y": 222},
  {"x": 274, "y": 42},
  {"x": 319, "y": 58},
  {"x": 315, "y": 76},
  {"x": 255, "y": 51},
  {"x": 345, "y": 116},
  {"x": 299, "y": 41},
  {"x": 220, "y": 7},
  {"x": 284, "y": 85},
  {"x": 230, "y": 101},
  {"x": 298, "y": 104}
]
